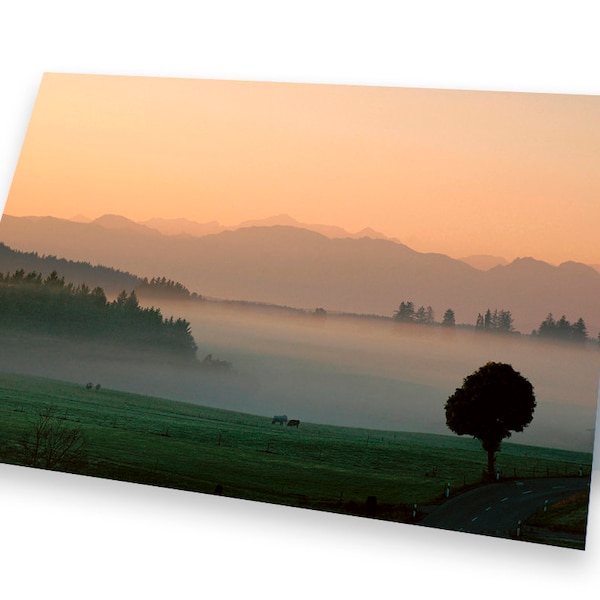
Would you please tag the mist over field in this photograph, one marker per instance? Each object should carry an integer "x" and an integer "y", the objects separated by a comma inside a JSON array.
[
  {"x": 360, "y": 372},
  {"x": 376, "y": 373}
]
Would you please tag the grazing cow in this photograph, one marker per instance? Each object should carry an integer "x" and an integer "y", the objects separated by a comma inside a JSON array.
[
  {"x": 280, "y": 419},
  {"x": 293, "y": 423},
  {"x": 88, "y": 386},
  {"x": 97, "y": 387}
]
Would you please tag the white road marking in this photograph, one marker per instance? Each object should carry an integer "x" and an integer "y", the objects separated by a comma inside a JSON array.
[
  {"x": 558, "y": 487},
  {"x": 473, "y": 519},
  {"x": 527, "y": 492},
  {"x": 488, "y": 508},
  {"x": 504, "y": 499}
]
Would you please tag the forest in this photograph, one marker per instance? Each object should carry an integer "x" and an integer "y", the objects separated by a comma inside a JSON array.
[{"x": 49, "y": 305}]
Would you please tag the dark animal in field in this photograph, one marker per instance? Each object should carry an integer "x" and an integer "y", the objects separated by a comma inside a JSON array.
[
  {"x": 89, "y": 386},
  {"x": 97, "y": 387},
  {"x": 280, "y": 419},
  {"x": 293, "y": 423}
]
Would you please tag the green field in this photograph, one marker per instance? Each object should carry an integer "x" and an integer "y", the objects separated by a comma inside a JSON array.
[{"x": 153, "y": 441}]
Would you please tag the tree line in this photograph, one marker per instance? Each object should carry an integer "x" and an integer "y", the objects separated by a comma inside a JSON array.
[
  {"x": 164, "y": 289},
  {"x": 31, "y": 302},
  {"x": 562, "y": 330},
  {"x": 497, "y": 321},
  {"x": 407, "y": 313},
  {"x": 111, "y": 280}
]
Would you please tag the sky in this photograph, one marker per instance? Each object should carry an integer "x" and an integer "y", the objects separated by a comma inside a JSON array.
[{"x": 510, "y": 174}]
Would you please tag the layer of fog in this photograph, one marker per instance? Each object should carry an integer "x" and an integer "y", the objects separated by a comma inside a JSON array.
[
  {"x": 356, "y": 372},
  {"x": 373, "y": 373}
]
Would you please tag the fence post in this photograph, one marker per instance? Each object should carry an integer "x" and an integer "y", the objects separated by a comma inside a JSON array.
[
  {"x": 447, "y": 489},
  {"x": 371, "y": 506},
  {"x": 518, "y": 528}
]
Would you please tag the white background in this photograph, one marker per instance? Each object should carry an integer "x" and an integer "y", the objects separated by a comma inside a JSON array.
[{"x": 63, "y": 536}]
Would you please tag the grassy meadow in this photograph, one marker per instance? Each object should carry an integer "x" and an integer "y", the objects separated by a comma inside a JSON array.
[{"x": 153, "y": 441}]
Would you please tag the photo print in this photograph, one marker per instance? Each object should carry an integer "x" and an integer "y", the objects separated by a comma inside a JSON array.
[{"x": 374, "y": 301}]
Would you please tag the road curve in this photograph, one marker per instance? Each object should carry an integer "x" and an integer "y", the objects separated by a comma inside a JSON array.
[{"x": 496, "y": 508}]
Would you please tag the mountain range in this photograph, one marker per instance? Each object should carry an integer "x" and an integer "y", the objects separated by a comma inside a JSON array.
[
  {"x": 183, "y": 226},
  {"x": 295, "y": 266},
  {"x": 186, "y": 227}
]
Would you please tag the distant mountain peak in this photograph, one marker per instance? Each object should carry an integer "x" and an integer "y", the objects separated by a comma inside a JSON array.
[
  {"x": 484, "y": 262},
  {"x": 79, "y": 218},
  {"x": 330, "y": 231},
  {"x": 529, "y": 261},
  {"x": 370, "y": 233},
  {"x": 111, "y": 221},
  {"x": 114, "y": 221},
  {"x": 282, "y": 219},
  {"x": 525, "y": 266},
  {"x": 577, "y": 267},
  {"x": 182, "y": 226}
]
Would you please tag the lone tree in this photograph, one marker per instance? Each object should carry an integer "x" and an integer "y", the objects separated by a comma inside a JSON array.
[
  {"x": 493, "y": 402},
  {"x": 449, "y": 319}
]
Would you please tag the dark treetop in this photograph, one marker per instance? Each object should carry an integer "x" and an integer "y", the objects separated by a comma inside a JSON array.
[{"x": 493, "y": 402}]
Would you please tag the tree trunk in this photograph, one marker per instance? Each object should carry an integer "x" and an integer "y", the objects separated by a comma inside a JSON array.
[{"x": 491, "y": 460}]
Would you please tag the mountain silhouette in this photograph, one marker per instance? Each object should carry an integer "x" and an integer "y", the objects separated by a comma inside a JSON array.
[
  {"x": 292, "y": 266},
  {"x": 186, "y": 227},
  {"x": 119, "y": 222},
  {"x": 484, "y": 262},
  {"x": 330, "y": 231},
  {"x": 183, "y": 227}
]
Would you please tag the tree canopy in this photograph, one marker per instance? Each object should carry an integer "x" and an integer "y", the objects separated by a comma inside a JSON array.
[
  {"x": 449, "y": 319},
  {"x": 493, "y": 401}
]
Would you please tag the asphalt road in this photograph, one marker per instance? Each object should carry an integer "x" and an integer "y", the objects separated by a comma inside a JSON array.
[{"x": 496, "y": 508}]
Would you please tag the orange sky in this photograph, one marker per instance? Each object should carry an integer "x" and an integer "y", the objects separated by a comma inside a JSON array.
[{"x": 458, "y": 172}]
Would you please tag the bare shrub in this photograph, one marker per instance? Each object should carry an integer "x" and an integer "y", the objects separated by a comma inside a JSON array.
[{"x": 54, "y": 444}]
